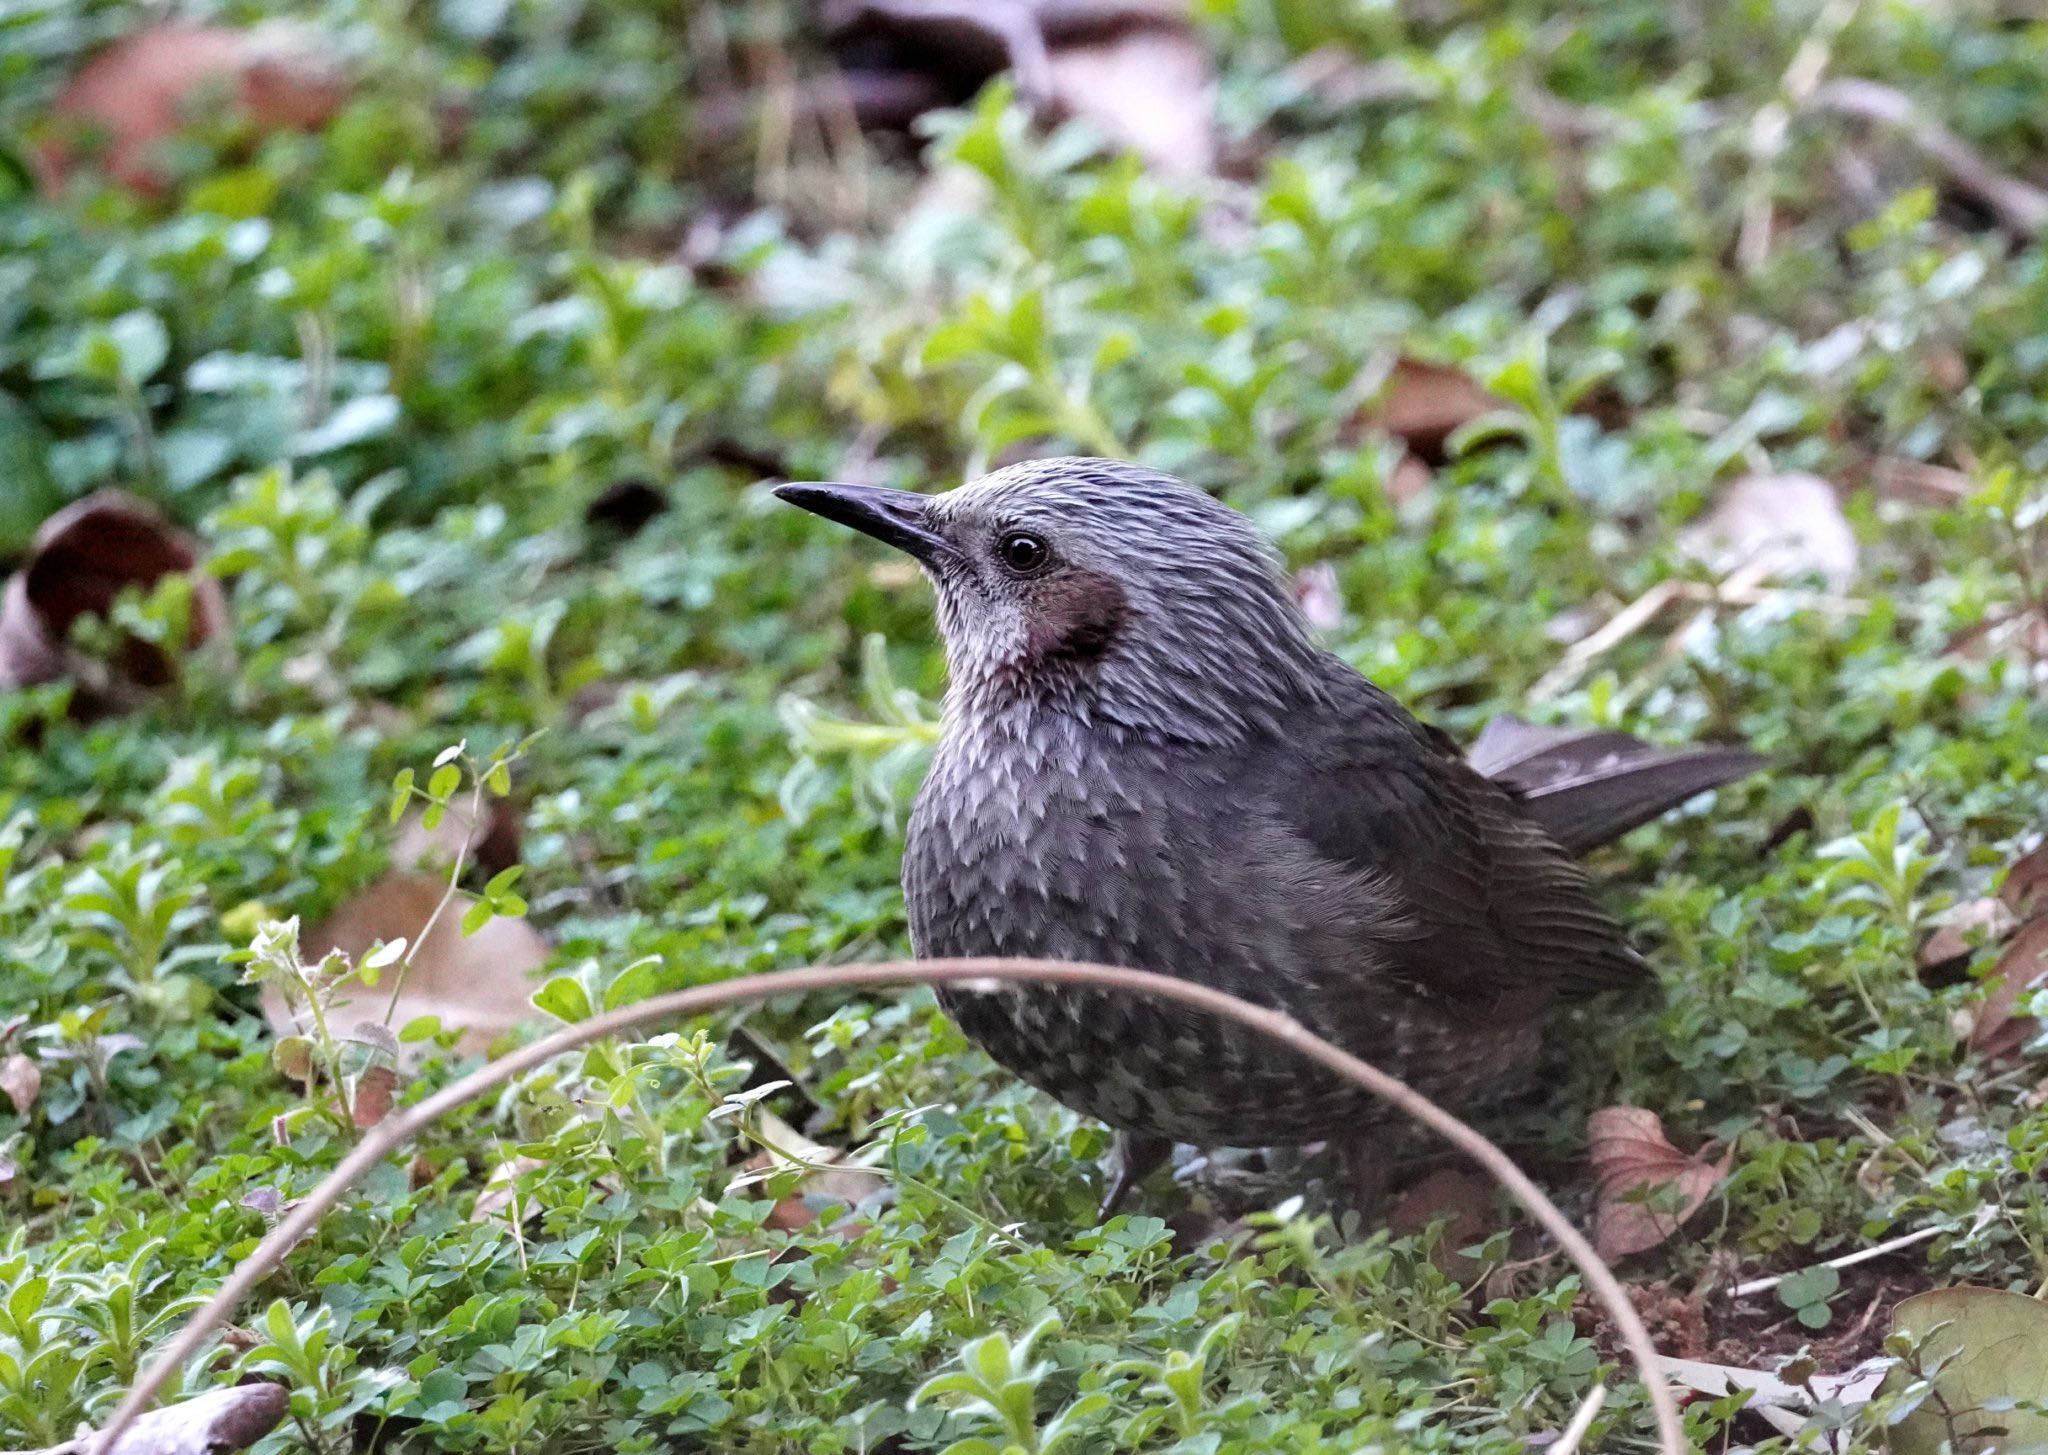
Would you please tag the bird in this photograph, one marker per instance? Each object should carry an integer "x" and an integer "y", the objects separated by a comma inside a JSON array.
[{"x": 1147, "y": 760}]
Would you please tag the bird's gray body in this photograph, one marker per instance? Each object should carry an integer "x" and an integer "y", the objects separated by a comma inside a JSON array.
[{"x": 1146, "y": 761}]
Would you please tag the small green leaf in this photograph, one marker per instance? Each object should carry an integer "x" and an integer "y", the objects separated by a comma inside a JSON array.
[
  {"x": 503, "y": 880},
  {"x": 401, "y": 793},
  {"x": 633, "y": 984},
  {"x": 564, "y": 998},
  {"x": 479, "y": 914},
  {"x": 445, "y": 780}
]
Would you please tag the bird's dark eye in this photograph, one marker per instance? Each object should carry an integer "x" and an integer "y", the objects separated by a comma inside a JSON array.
[{"x": 1023, "y": 552}]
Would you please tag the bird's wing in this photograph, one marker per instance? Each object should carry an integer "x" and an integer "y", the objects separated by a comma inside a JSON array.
[{"x": 1490, "y": 907}]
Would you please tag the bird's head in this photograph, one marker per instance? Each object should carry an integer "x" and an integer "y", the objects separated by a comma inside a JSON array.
[{"x": 1098, "y": 588}]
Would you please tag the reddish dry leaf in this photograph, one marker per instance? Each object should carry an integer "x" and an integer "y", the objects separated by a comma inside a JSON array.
[
  {"x": 1424, "y": 404},
  {"x": 370, "y": 1099},
  {"x": 1467, "y": 1205},
  {"x": 1630, "y": 1153},
  {"x": 139, "y": 92},
  {"x": 2025, "y": 890},
  {"x": 80, "y": 562},
  {"x": 1998, "y": 1030},
  {"x": 21, "y": 1080},
  {"x": 1973, "y": 922},
  {"x": 477, "y": 983},
  {"x": 1408, "y": 480}
]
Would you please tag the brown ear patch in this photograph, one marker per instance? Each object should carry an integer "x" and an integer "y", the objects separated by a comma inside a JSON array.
[{"x": 1076, "y": 614}]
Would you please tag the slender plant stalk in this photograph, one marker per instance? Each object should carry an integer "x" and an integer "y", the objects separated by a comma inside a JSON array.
[{"x": 403, "y": 1127}]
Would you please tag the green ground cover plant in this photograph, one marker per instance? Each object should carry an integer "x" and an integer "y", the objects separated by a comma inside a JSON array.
[{"x": 471, "y": 396}]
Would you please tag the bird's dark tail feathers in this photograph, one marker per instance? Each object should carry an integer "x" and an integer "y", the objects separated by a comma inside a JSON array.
[{"x": 1589, "y": 786}]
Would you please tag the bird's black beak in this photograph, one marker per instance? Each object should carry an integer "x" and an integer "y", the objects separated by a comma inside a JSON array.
[{"x": 900, "y": 518}]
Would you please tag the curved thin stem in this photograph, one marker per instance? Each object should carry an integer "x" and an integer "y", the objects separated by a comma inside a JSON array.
[{"x": 404, "y": 1126}]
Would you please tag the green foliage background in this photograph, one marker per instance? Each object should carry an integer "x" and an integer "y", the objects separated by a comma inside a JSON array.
[{"x": 383, "y": 371}]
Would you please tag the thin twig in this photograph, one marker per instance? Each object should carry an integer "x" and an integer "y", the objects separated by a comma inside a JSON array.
[
  {"x": 2020, "y": 207},
  {"x": 401, "y": 1128},
  {"x": 1773, "y": 120},
  {"x": 1861, "y": 1255},
  {"x": 1618, "y": 629}
]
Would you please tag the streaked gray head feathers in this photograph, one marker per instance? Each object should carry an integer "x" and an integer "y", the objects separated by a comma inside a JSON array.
[{"x": 1099, "y": 589}]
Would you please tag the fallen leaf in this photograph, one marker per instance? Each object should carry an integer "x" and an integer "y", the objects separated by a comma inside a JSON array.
[
  {"x": 1987, "y": 1344},
  {"x": 371, "y": 1097},
  {"x": 140, "y": 91},
  {"x": 1410, "y": 479},
  {"x": 22, "y": 1081},
  {"x": 1630, "y": 1153},
  {"x": 2025, "y": 890},
  {"x": 477, "y": 983},
  {"x": 1149, "y": 89},
  {"x": 1781, "y": 527},
  {"x": 1133, "y": 68},
  {"x": 829, "y": 1177},
  {"x": 1998, "y": 1030},
  {"x": 1424, "y": 404},
  {"x": 494, "y": 848},
  {"x": 79, "y": 563},
  {"x": 1467, "y": 1205},
  {"x": 1962, "y": 929}
]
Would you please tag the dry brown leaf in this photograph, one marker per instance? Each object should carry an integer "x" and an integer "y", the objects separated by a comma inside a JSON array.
[
  {"x": 81, "y": 560},
  {"x": 1998, "y": 1030},
  {"x": 1784, "y": 526},
  {"x": 139, "y": 92},
  {"x": 495, "y": 848},
  {"x": 830, "y": 1177},
  {"x": 2025, "y": 890},
  {"x": 1629, "y": 1151},
  {"x": 1134, "y": 68},
  {"x": 1467, "y": 1205},
  {"x": 1410, "y": 479},
  {"x": 370, "y": 1099},
  {"x": 1149, "y": 89},
  {"x": 1969, "y": 924},
  {"x": 476, "y": 983},
  {"x": 1424, "y": 404},
  {"x": 21, "y": 1080}
]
